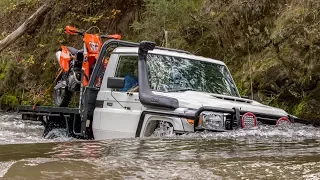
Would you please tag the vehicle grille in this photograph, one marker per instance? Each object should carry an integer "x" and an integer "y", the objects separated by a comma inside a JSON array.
[
  {"x": 265, "y": 120},
  {"x": 248, "y": 123}
]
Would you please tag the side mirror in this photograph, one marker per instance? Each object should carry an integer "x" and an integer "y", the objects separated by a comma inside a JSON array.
[{"x": 115, "y": 83}]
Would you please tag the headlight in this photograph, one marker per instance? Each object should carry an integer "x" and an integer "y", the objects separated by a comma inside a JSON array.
[{"x": 212, "y": 120}]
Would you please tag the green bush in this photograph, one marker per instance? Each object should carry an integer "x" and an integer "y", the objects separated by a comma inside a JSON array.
[
  {"x": 9, "y": 102},
  {"x": 280, "y": 37}
]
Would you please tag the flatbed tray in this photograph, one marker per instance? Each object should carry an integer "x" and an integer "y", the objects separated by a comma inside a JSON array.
[{"x": 47, "y": 110}]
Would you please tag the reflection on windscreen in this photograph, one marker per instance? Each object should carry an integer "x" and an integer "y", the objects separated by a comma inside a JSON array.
[{"x": 167, "y": 73}]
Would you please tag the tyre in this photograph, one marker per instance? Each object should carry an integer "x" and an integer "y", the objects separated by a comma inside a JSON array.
[
  {"x": 62, "y": 96},
  {"x": 55, "y": 133},
  {"x": 164, "y": 129}
]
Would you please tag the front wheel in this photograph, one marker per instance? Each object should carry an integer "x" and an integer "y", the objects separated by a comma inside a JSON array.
[
  {"x": 164, "y": 129},
  {"x": 61, "y": 95}
]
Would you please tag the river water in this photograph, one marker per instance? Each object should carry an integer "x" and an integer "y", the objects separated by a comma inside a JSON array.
[{"x": 264, "y": 153}]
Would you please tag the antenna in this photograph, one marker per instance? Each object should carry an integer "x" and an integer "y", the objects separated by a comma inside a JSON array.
[
  {"x": 164, "y": 27},
  {"x": 250, "y": 69},
  {"x": 165, "y": 37},
  {"x": 249, "y": 59}
]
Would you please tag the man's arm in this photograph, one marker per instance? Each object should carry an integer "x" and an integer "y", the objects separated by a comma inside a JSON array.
[{"x": 135, "y": 89}]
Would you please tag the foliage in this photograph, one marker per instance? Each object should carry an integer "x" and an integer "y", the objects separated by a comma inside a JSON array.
[
  {"x": 29, "y": 66},
  {"x": 8, "y": 102},
  {"x": 280, "y": 37},
  {"x": 165, "y": 15}
]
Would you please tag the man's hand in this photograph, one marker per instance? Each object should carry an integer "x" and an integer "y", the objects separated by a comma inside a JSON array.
[{"x": 135, "y": 89}]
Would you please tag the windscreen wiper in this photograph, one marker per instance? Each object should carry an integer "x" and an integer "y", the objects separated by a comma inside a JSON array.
[{"x": 182, "y": 89}]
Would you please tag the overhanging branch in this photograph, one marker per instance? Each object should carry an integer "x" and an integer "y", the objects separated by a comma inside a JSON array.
[{"x": 29, "y": 24}]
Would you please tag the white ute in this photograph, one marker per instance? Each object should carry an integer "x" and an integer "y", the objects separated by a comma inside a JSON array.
[
  {"x": 154, "y": 91},
  {"x": 194, "y": 82}
]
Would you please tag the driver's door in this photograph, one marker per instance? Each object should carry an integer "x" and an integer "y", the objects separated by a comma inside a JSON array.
[{"x": 121, "y": 110}]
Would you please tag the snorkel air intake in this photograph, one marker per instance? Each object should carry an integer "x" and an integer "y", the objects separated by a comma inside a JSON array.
[{"x": 147, "y": 98}]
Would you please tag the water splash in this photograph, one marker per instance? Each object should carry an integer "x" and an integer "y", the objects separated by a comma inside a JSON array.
[
  {"x": 267, "y": 152},
  {"x": 56, "y": 133},
  {"x": 14, "y": 130},
  {"x": 263, "y": 132}
]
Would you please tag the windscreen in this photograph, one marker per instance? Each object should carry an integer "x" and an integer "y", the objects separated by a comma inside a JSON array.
[{"x": 172, "y": 74}]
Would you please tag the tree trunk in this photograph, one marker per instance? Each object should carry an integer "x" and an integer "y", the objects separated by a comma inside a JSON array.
[{"x": 29, "y": 24}]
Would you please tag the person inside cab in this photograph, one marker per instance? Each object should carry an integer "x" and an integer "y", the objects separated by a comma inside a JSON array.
[
  {"x": 128, "y": 69},
  {"x": 131, "y": 82}
]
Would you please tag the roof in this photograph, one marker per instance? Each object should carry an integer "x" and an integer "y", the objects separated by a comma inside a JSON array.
[{"x": 134, "y": 50}]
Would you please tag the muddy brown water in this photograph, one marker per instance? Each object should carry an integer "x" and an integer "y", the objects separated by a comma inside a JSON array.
[{"x": 264, "y": 153}]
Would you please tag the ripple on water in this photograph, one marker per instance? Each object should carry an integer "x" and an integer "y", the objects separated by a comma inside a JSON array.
[
  {"x": 15, "y": 130},
  {"x": 263, "y": 153}
]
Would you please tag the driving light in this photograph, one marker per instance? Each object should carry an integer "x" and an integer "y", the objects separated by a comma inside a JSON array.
[
  {"x": 249, "y": 120},
  {"x": 212, "y": 120},
  {"x": 283, "y": 121}
]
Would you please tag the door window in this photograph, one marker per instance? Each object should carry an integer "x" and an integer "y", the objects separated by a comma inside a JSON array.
[{"x": 128, "y": 69}]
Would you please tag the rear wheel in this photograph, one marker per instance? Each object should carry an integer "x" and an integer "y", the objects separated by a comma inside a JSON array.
[{"x": 62, "y": 96}]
